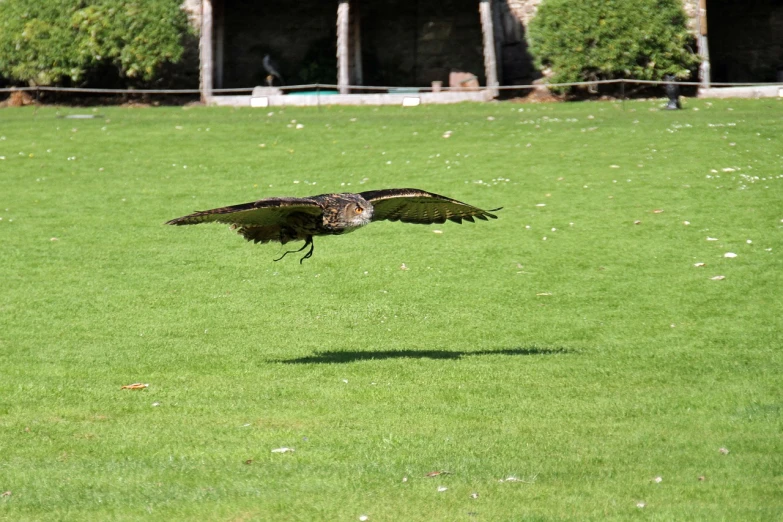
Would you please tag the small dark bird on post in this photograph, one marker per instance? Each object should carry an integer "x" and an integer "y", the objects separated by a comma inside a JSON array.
[
  {"x": 299, "y": 219},
  {"x": 271, "y": 67},
  {"x": 673, "y": 92}
]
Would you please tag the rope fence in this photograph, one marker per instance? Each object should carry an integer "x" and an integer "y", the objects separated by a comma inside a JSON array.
[{"x": 393, "y": 89}]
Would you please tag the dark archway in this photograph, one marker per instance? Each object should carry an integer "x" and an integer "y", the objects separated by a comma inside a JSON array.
[
  {"x": 299, "y": 35},
  {"x": 416, "y": 42},
  {"x": 745, "y": 40}
]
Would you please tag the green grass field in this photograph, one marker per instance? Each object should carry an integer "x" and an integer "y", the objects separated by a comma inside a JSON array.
[{"x": 564, "y": 344}]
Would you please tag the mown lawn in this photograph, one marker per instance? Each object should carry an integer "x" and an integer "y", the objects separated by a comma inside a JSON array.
[{"x": 563, "y": 345}]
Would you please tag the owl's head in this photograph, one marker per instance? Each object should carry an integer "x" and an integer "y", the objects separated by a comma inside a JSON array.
[{"x": 357, "y": 213}]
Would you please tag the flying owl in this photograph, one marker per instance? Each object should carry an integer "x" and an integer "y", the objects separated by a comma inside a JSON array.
[{"x": 299, "y": 219}]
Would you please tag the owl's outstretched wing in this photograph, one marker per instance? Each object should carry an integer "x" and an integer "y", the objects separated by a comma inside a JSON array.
[
  {"x": 258, "y": 221},
  {"x": 270, "y": 211},
  {"x": 418, "y": 206}
]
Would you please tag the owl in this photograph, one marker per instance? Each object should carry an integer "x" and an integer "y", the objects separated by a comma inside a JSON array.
[{"x": 285, "y": 219}]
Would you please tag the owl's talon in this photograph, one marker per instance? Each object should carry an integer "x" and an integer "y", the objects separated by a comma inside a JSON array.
[
  {"x": 308, "y": 255},
  {"x": 308, "y": 241}
]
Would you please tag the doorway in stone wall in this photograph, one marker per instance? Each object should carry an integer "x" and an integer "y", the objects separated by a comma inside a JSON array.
[
  {"x": 300, "y": 37},
  {"x": 416, "y": 42},
  {"x": 745, "y": 40}
]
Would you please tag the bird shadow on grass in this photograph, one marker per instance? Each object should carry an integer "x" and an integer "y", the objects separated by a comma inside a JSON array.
[{"x": 340, "y": 357}]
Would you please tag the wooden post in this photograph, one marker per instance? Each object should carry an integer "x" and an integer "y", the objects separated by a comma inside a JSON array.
[
  {"x": 343, "y": 36},
  {"x": 704, "y": 50},
  {"x": 205, "y": 51},
  {"x": 490, "y": 63},
  {"x": 357, "y": 48}
]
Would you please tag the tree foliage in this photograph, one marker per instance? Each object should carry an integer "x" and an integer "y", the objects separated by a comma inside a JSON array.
[
  {"x": 584, "y": 40},
  {"x": 46, "y": 42}
]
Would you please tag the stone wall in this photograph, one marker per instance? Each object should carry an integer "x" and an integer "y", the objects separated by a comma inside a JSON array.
[
  {"x": 193, "y": 8},
  {"x": 525, "y": 10},
  {"x": 691, "y": 8}
]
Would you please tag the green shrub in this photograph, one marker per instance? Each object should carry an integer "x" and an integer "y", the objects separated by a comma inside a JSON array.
[
  {"x": 586, "y": 40},
  {"x": 51, "y": 41}
]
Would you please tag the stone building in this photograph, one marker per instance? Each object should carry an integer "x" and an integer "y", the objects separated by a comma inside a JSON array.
[{"x": 412, "y": 43}]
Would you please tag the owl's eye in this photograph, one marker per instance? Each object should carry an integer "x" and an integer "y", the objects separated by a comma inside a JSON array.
[{"x": 358, "y": 210}]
